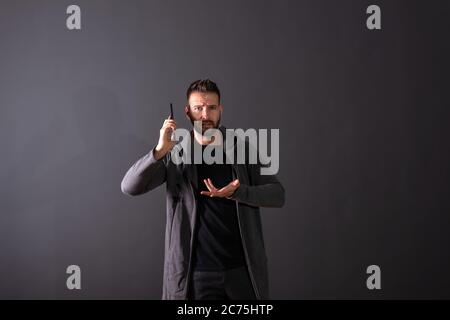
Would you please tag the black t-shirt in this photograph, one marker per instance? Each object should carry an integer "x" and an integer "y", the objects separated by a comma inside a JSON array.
[{"x": 218, "y": 242}]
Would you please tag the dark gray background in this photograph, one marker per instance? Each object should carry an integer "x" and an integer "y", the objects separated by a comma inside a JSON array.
[{"x": 363, "y": 118}]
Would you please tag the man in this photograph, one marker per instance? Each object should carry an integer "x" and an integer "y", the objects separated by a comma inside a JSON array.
[{"x": 214, "y": 246}]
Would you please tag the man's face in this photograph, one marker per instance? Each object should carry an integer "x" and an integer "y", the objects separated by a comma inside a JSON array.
[{"x": 205, "y": 107}]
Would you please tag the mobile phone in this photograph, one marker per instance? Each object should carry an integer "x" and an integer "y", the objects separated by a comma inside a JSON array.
[{"x": 172, "y": 135}]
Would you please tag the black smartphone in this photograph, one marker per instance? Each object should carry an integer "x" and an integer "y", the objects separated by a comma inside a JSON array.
[{"x": 171, "y": 117}]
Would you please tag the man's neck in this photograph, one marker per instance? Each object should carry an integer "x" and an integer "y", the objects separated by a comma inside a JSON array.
[{"x": 215, "y": 139}]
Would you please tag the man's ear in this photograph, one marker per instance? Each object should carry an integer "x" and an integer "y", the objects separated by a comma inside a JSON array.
[
  {"x": 186, "y": 111},
  {"x": 221, "y": 107}
]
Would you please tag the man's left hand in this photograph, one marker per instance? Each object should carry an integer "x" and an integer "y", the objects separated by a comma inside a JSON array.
[{"x": 224, "y": 192}]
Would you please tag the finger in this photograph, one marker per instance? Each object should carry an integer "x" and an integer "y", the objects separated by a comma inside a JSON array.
[
  {"x": 207, "y": 185},
  {"x": 205, "y": 181},
  {"x": 233, "y": 184},
  {"x": 170, "y": 126},
  {"x": 228, "y": 190},
  {"x": 169, "y": 121},
  {"x": 211, "y": 187},
  {"x": 207, "y": 193},
  {"x": 211, "y": 184},
  {"x": 165, "y": 126}
]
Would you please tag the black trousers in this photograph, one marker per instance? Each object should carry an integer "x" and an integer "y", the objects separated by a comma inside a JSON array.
[{"x": 232, "y": 284}]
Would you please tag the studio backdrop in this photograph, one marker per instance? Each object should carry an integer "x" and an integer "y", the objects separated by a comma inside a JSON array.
[{"x": 358, "y": 90}]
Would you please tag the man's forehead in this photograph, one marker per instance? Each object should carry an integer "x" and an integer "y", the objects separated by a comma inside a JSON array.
[{"x": 203, "y": 98}]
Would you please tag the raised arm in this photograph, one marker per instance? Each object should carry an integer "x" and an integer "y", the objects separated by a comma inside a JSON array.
[{"x": 149, "y": 171}]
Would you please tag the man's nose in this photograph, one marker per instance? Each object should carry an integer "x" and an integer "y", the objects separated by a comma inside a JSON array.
[{"x": 205, "y": 113}]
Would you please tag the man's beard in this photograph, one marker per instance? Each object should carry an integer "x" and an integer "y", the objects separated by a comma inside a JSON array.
[{"x": 208, "y": 124}]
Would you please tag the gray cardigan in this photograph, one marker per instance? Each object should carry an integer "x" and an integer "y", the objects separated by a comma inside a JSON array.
[{"x": 255, "y": 191}]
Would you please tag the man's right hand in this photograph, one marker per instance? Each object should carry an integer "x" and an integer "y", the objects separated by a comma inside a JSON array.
[{"x": 165, "y": 144}]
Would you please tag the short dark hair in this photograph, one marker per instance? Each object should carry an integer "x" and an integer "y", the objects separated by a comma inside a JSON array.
[{"x": 203, "y": 85}]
